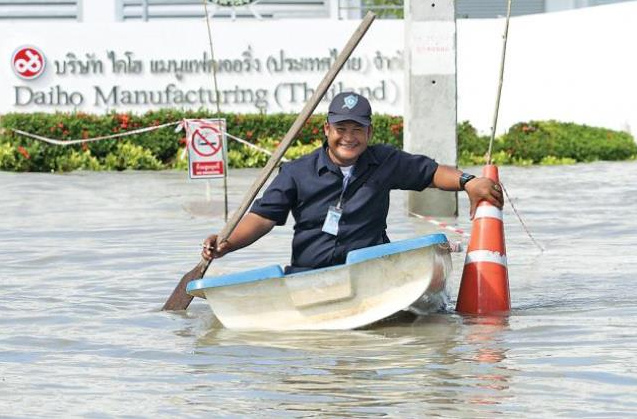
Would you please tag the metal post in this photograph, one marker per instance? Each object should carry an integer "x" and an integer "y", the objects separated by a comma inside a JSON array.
[{"x": 224, "y": 150}]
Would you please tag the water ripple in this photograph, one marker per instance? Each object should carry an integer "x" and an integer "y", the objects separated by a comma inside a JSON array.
[{"x": 87, "y": 259}]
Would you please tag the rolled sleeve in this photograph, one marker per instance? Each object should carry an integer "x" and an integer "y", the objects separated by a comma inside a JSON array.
[{"x": 278, "y": 198}]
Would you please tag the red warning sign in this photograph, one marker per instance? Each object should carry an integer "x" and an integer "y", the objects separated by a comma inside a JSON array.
[
  {"x": 208, "y": 168},
  {"x": 206, "y": 147},
  {"x": 206, "y": 141}
]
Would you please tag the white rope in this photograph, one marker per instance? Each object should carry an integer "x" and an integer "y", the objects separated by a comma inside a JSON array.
[
  {"x": 87, "y": 140},
  {"x": 249, "y": 144},
  {"x": 520, "y": 219},
  {"x": 464, "y": 234},
  {"x": 129, "y": 133},
  {"x": 495, "y": 120},
  {"x": 497, "y": 101},
  {"x": 212, "y": 56},
  {"x": 214, "y": 79},
  {"x": 263, "y": 150}
]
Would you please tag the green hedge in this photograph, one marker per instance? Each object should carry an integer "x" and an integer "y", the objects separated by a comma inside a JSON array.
[
  {"x": 536, "y": 142},
  {"x": 538, "y": 139},
  {"x": 547, "y": 142}
]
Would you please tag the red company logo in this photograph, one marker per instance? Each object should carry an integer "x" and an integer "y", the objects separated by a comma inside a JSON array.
[{"x": 28, "y": 63}]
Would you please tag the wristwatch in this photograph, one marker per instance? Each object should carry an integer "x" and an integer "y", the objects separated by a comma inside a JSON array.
[{"x": 464, "y": 178}]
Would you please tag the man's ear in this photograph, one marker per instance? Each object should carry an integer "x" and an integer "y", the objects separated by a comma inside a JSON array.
[{"x": 326, "y": 128}]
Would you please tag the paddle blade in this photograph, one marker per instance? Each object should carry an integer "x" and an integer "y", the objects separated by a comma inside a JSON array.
[{"x": 179, "y": 299}]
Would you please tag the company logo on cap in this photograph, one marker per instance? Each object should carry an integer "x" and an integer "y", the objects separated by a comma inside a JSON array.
[{"x": 350, "y": 101}]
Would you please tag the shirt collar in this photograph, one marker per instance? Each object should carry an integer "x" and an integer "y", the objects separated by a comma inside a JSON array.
[{"x": 324, "y": 163}]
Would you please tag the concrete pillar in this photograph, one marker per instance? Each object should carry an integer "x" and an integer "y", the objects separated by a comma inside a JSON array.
[{"x": 430, "y": 95}]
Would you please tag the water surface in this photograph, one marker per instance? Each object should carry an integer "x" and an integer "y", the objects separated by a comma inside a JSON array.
[{"x": 87, "y": 260}]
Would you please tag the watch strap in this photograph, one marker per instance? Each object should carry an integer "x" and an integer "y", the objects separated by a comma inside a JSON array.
[{"x": 464, "y": 178}]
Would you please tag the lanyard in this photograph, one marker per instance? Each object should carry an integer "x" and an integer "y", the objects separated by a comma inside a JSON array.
[{"x": 345, "y": 183}]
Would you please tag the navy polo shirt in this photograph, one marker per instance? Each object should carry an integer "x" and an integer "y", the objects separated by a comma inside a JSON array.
[{"x": 308, "y": 186}]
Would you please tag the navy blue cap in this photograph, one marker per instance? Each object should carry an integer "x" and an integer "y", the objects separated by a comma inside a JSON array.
[{"x": 349, "y": 106}]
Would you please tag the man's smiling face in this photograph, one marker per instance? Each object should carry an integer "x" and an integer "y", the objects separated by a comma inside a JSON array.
[{"x": 346, "y": 141}]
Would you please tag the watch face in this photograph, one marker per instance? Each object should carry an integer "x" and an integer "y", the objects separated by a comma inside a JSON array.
[{"x": 464, "y": 178}]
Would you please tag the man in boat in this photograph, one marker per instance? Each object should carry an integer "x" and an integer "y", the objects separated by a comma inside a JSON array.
[{"x": 339, "y": 194}]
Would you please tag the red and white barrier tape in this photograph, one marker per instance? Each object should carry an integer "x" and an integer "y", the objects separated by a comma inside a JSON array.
[
  {"x": 441, "y": 224},
  {"x": 455, "y": 245}
]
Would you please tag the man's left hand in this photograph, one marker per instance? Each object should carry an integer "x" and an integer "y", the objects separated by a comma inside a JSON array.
[{"x": 483, "y": 188}]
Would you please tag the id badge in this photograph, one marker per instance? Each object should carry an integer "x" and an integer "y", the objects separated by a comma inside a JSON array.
[{"x": 330, "y": 226}]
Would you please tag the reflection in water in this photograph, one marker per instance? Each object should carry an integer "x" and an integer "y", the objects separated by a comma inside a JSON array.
[
  {"x": 483, "y": 335},
  {"x": 399, "y": 369}
]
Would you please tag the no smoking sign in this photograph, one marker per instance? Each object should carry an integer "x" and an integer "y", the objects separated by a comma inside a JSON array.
[
  {"x": 206, "y": 141},
  {"x": 206, "y": 148}
]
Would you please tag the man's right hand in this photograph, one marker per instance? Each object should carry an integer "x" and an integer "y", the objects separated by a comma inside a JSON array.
[
  {"x": 212, "y": 249},
  {"x": 251, "y": 228}
]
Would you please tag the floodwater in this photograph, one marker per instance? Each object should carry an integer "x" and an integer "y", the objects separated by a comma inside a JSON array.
[{"x": 87, "y": 260}]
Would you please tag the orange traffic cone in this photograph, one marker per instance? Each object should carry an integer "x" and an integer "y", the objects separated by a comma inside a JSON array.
[{"x": 484, "y": 288}]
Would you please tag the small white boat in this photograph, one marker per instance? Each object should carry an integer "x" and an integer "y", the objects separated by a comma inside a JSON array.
[{"x": 375, "y": 283}]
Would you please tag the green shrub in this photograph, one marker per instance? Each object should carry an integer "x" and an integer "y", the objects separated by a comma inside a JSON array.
[
  {"x": 469, "y": 142},
  {"x": 536, "y": 142},
  {"x": 556, "y": 161},
  {"x": 387, "y": 130},
  {"x": 77, "y": 161},
  {"x": 299, "y": 150},
  {"x": 500, "y": 158},
  {"x": 244, "y": 156},
  {"x": 130, "y": 156},
  {"x": 180, "y": 161},
  {"x": 8, "y": 158}
]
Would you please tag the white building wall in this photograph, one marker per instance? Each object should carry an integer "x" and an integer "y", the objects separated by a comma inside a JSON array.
[{"x": 576, "y": 65}]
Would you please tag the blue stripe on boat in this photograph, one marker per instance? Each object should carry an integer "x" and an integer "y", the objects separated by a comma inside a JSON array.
[
  {"x": 275, "y": 271},
  {"x": 361, "y": 255}
]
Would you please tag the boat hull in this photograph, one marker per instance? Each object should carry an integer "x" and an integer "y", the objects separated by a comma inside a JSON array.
[{"x": 374, "y": 284}]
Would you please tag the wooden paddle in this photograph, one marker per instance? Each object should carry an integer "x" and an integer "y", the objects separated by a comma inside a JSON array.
[{"x": 179, "y": 299}]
